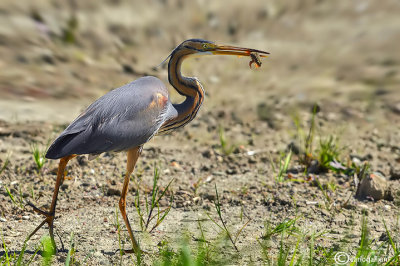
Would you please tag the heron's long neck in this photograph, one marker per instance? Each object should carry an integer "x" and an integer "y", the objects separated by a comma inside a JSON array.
[{"x": 189, "y": 87}]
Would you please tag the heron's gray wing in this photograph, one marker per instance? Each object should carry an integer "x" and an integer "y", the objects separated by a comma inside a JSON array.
[{"x": 124, "y": 118}]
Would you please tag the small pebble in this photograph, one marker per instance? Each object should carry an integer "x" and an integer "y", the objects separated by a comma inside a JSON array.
[
  {"x": 363, "y": 206},
  {"x": 394, "y": 173},
  {"x": 25, "y": 217},
  {"x": 167, "y": 171},
  {"x": 356, "y": 161},
  {"x": 396, "y": 108},
  {"x": 373, "y": 186},
  {"x": 196, "y": 200},
  {"x": 219, "y": 173},
  {"x": 209, "y": 179},
  {"x": 206, "y": 207},
  {"x": 210, "y": 197},
  {"x": 231, "y": 171},
  {"x": 251, "y": 153},
  {"x": 176, "y": 165},
  {"x": 2, "y": 219},
  {"x": 314, "y": 167},
  {"x": 207, "y": 154}
]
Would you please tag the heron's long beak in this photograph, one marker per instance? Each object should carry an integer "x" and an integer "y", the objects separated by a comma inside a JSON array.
[{"x": 233, "y": 50}]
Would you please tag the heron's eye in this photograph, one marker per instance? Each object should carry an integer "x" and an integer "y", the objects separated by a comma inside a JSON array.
[{"x": 205, "y": 46}]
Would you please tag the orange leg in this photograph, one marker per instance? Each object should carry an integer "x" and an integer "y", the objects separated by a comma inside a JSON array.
[
  {"x": 133, "y": 155},
  {"x": 50, "y": 215}
]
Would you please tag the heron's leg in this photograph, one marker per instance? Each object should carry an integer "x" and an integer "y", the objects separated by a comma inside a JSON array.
[
  {"x": 133, "y": 155},
  {"x": 50, "y": 215}
]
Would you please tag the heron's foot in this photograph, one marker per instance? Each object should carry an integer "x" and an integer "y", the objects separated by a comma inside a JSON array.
[
  {"x": 49, "y": 220},
  {"x": 36, "y": 209},
  {"x": 132, "y": 251}
]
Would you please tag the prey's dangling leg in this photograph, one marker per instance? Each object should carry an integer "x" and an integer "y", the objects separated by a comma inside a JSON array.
[
  {"x": 50, "y": 215},
  {"x": 133, "y": 155}
]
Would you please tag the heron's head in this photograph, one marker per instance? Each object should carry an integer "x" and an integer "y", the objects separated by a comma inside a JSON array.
[{"x": 203, "y": 47}]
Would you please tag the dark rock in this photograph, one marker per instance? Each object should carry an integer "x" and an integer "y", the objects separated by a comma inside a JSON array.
[
  {"x": 221, "y": 114},
  {"x": 47, "y": 58},
  {"x": 206, "y": 206},
  {"x": 252, "y": 160},
  {"x": 82, "y": 160},
  {"x": 210, "y": 197},
  {"x": 207, "y": 153},
  {"x": 113, "y": 192},
  {"x": 396, "y": 108},
  {"x": 294, "y": 148},
  {"x": 394, "y": 173},
  {"x": 314, "y": 167},
  {"x": 231, "y": 171},
  {"x": 204, "y": 168},
  {"x": 128, "y": 69},
  {"x": 266, "y": 113},
  {"x": 384, "y": 237}
]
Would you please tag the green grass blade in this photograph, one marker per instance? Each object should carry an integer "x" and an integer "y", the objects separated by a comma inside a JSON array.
[
  {"x": 5, "y": 164},
  {"x": 295, "y": 251},
  {"x": 393, "y": 259},
  {"x": 21, "y": 254},
  {"x": 390, "y": 237},
  {"x": 10, "y": 195},
  {"x": 312, "y": 251},
  {"x": 71, "y": 251}
]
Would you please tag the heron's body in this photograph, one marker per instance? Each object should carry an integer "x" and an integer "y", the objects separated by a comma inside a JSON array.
[
  {"x": 127, "y": 117},
  {"x": 114, "y": 128}
]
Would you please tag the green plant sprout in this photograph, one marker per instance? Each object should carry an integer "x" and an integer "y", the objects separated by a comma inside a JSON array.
[{"x": 153, "y": 204}]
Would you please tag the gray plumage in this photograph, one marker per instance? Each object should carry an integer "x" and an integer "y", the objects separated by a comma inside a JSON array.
[{"x": 115, "y": 121}]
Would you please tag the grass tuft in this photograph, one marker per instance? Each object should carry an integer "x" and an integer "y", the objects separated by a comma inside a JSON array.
[
  {"x": 327, "y": 151},
  {"x": 38, "y": 156},
  {"x": 151, "y": 215},
  {"x": 70, "y": 260},
  {"x": 284, "y": 162},
  {"x": 5, "y": 164},
  {"x": 225, "y": 147},
  {"x": 224, "y": 228}
]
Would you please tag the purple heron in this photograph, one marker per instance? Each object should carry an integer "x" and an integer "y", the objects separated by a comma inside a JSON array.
[{"x": 126, "y": 118}]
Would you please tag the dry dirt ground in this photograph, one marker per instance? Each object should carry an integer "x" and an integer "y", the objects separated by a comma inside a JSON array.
[{"x": 58, "y": 56}]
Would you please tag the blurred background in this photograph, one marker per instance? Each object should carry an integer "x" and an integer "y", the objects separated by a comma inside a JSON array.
[{"x": 58, "y": 56}]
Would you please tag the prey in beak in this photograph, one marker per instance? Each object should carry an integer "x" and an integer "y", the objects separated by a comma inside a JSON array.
[{"x": 239, "y": 51}]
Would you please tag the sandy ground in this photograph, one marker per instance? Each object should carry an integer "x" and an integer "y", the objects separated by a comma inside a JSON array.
[{"x": 342, "y": 55}]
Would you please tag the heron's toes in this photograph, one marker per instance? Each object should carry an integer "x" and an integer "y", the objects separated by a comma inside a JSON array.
[
  {"x": 132, "y": 251},
  {"x": 49, "y": 220},
  {"x": 36, "y": 209}
]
